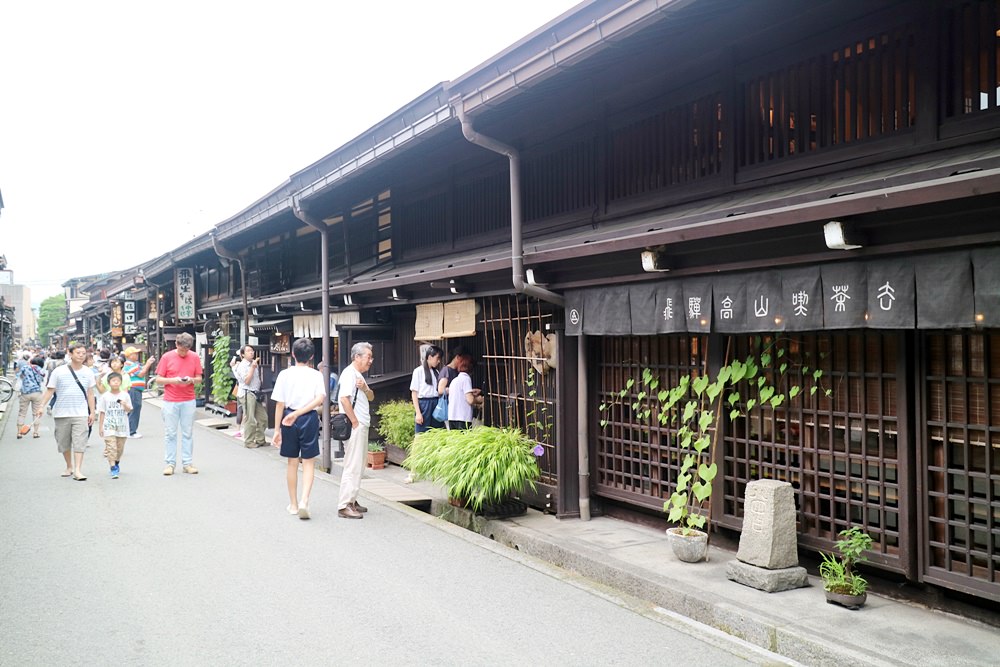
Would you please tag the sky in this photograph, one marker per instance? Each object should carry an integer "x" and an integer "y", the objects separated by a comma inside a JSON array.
[{"x": 127, "y": 128}]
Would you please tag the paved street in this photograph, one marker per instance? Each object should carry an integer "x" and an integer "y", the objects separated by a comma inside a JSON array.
[{"x": 209, "y": 569}]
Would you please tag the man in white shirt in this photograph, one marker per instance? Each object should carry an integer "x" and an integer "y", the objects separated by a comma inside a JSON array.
[
  {"x": 298, "y": 391},
  {"x": 354, "y": 397},
  {"x": 74, "y": 409}
]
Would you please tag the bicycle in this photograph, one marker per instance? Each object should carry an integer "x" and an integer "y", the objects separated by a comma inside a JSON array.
[{"x": 6, "y": 389}]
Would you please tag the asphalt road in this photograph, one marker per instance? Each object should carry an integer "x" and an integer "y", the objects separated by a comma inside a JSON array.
[{"x": 209, "y": 569}]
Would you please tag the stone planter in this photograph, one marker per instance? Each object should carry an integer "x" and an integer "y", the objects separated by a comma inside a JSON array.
[
  {"x": 395, "y": 454},
  {"x": 846, "y": 600},
  {"x": 691, "y": 547}
]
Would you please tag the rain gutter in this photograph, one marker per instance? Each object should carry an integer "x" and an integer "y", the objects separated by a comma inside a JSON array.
[
  {"x": 224, "y": 253},
  {"x": 324, "y": 268}
]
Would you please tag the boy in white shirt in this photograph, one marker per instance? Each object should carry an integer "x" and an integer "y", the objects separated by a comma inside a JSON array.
[
  {"x": 113, "y": 407},
  {"x": 298, "y": 391}
]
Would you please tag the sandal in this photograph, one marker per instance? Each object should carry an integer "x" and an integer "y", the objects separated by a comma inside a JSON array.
[{"x": 37, "y": 435}]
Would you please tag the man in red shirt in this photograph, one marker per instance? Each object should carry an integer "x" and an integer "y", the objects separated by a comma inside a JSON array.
[{"x": 178, "y": 372}]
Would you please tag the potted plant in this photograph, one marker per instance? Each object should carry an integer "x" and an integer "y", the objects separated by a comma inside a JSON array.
[
  {"x": 376, "y": 456},
  {"x": 694, "y": 407},
  {"x": 842, "y": 583},
  {"x": 395, "y": 427},
  {"x": 199, "y": 394},
  {"x": 481, "y": 467}
]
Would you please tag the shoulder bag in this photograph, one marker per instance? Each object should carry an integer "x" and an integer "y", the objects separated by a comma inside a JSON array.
[
  {"x": 86, "y": 398},
  {"x": 340, "y": 425}
]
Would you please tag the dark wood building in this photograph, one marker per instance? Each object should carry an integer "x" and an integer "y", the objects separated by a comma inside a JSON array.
[{"x": 679, "y": 177}]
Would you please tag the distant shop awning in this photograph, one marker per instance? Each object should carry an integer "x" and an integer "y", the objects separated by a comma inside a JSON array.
[
  {"x": 942, "y": 291},
  {"x": 311, "y": 326},
  {"x": 284, "y": 325}
]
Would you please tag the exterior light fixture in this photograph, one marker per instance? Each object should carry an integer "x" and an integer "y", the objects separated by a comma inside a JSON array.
[
  {"x": 980, "y": 317},
  {"x": 841, "y": 236},
  {"x": 655, "y": 261}
]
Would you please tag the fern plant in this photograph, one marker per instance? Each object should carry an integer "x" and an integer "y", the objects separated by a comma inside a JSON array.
[
  {"x": 480, "y": 465},
  {"x": 395, "y": 422},
  {"x": 839, "y": 575}
]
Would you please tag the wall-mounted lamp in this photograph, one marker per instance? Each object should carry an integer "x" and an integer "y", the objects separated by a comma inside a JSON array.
[
  {"x": 453, "y": 286},
  {"x": 841, "y": 236},
  {"x": 348, "y": 300},
  {"x": 654, "y": 261},
  {"x": 398, "y": 295}
]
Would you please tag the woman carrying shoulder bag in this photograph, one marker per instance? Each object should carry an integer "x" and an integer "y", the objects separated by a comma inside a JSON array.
[{"x": 424, "y": 388}]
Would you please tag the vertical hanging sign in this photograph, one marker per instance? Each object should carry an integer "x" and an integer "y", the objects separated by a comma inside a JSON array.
[{"x": 184, "y": 291}]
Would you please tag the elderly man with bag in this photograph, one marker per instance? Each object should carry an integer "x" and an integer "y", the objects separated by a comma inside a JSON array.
[{"x": 355, "y": 396}]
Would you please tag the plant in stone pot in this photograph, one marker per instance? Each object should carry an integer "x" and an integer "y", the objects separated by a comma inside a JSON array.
[
  {"x": 376, "y": 456},
  {"x": 690, "y": 412},
  {"x": 842, "y": 583},
  {"x": 481, "y": 467}
]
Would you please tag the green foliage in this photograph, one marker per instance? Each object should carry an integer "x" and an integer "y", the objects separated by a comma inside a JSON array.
[
  {"x": 375, "y": 447},
  {"x": 481, "y": 465},
  {"x": 694, "y": 406},
  {"x": 222, "y": 375},
  {"x": 839, "y": 574},
  {"x": 395, "y": 422},
  {"x": 51, "y": 316}
]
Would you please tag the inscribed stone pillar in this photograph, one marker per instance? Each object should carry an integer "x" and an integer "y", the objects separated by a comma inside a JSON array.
[{"x": 769, "y": 539}]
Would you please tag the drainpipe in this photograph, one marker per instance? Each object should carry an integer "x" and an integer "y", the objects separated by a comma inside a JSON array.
[
  {"x": 302, "y": 214},
  {"x": 521, "y": 286},
  {"x": 226, "y": 254}
]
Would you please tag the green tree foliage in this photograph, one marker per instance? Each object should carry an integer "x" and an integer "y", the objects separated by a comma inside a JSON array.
[{"x": 51, "y": 316}]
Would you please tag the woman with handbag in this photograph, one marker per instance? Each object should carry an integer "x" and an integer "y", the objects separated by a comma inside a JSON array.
[{"x": 424, "y": 389}]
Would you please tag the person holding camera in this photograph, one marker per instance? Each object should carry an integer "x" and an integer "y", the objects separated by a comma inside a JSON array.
[
  {"x": 178, "y": 372},
  {"x": 250, "y": 398},
  {"x": 113, "y": 408}
]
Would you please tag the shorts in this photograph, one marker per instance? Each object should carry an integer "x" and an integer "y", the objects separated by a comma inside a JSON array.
[
  {"x": 301, "y": 439},
  {"x": 71, "y": 433}
]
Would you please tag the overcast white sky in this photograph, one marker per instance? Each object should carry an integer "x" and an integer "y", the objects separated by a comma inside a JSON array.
[{"x": 127, "y": 128}]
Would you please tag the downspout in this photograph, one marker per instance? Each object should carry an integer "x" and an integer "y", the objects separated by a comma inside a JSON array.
[
  {"x": 327, "y": 460},
  {"x": 226, "y": 254},
  {"x": 521, "y": 286}
]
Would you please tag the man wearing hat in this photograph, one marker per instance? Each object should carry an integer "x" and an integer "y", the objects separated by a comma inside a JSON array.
[{"x": 137, "y": 373}]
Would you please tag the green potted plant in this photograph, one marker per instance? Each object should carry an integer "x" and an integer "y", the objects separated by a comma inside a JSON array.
[
  {"x": 694, "y": 407},
  {"x": 376, "y": 455},
  {"x": 395, "y": 427},
  {"x": 481, "y": 467},
  {"x": 842, "y": 583},
  {"x": 222, "y": 374}
]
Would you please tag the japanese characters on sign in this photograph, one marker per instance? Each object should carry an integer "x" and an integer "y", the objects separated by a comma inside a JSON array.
[
  {"x": 942, "y": 290},
  {"x": 128, "y": 318},
  {"x": 184, "y": 294}
]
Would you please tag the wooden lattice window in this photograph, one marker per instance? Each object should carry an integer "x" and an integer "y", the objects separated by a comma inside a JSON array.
[
  {"x": 422, "y": 223},
  {"x": 674, "y": 147},
  {"x": 519, "y": 385},
  {"x": 971, "y": 75},
  {"x": 483, "y": 206},
  {"x": 862, "y": 90},
  {"x": 559, "y": 182},
  {"x": 839, "y": 452},
  {"x": 962, "y": 408},
  {"x": 636, "y": 459}
]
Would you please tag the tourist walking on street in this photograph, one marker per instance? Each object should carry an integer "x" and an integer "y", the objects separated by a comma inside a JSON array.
[
  {"x": 424, "y": 388},
  {"x": 137, "y": 376},
  {"x": 178, "y": 371},
  {"x": 298, "y": 391},
  {"x": 31, "y": 376},
  {"x": 248, "y": 375},
  {"x": 462, "y": 398},
  {"x": 74, "y": 409},
  {"x": 113, "y": 408},
  {"x": 355, "y": 396}
]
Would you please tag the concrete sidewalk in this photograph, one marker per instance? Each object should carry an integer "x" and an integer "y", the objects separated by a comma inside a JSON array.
[{"x": 637, "y": 561}]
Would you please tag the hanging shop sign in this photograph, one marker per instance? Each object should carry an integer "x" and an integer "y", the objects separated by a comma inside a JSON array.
[
  {"x": 942, "y": 291},
  {"x": 184, "y": 294},
  {"x": 128, "y": 318}
]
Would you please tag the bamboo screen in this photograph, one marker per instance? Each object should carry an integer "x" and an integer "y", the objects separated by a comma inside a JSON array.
[{"x": 518, "y": 368}]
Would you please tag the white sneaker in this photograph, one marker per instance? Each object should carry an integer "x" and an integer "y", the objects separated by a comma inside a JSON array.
[{"x": 136, "y": 435}]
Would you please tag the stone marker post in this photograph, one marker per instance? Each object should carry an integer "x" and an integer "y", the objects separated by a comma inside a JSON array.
[{"x": 768, "y": 557}]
